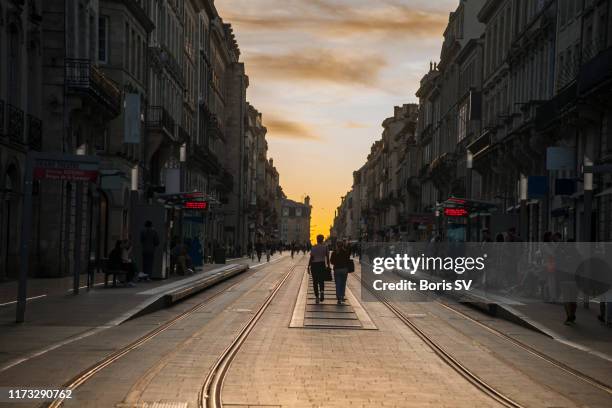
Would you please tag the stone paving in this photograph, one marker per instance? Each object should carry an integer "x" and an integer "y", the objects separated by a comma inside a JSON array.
[
  {"x": 323, "y": 367},
  {"x": 281, "y": 366}
]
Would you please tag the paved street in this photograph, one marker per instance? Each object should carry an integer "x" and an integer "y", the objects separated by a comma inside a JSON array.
[{"x": 380, "y": 361}]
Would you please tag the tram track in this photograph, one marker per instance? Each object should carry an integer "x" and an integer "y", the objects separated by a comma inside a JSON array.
[
  {"x": 87, "y": 374},
  {"x": 527, "y": 348},
  {"x": 445, "y": 356},
  {"x": 210, "y": 393},
  {"x": 564, "y": 367}
]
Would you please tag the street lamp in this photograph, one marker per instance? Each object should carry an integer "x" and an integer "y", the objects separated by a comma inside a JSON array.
[
  {"x": 523, "y": 211},
  {"x": 134, "y": 178},
  {"x": 588, "y": 198},
  {"x": 469, "y": 164}
]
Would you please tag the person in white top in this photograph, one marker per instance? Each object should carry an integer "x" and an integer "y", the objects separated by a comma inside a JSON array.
[{"x": 317, "y": 266}]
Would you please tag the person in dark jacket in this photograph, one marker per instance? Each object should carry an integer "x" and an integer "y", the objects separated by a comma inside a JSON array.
[
  {"x": 319, "y": 261},
  {"x": 149, "y": 241},
  {"x": 117, "y": 260},
  {"x": 340, "y": 258}
]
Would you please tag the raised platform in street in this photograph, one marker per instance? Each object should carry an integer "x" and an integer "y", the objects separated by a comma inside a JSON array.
[
  {"x": 328, "y": 314},
  {"x": 56, "y": 320}
]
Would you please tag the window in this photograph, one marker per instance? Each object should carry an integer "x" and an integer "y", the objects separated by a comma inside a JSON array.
[
  {"x": 126, "y": 61},
  {"x": 298, "y": 212},
  {"x": 462, "y": 121},
  {"x": 103, "y": 39}
]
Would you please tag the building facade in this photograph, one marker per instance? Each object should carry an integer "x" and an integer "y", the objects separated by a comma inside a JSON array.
[
  {"x": 510, "y": 120},
  {"x": 153, "y": 89},
  {"x": 295, "y": 221}
]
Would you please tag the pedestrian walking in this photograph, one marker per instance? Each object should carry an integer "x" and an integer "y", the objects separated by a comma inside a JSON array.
[
  {"x": 567, "y": 256},
  {"x": 317, "y": 266},
  {"x": 149, "y": 241},
  {"x": 340, "y": 258},
  {"x": 259, "y": 250}
]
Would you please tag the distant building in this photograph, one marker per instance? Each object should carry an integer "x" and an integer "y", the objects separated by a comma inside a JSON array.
[{"x": 295, "y": 221}]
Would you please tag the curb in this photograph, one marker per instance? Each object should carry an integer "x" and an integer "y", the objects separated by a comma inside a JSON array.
[
  {"x": 493, "y": 309},
  {"x": 181, "y": 293}
]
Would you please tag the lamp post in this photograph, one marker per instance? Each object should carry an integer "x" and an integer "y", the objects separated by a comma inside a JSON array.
[
  {"x": 76, "y": 276},
  {"x": 182, "y": 182},
  {"x": 523, "y": 211},
  {"x": 588, "y": 198},
  {"x": 469, "y": 164}
]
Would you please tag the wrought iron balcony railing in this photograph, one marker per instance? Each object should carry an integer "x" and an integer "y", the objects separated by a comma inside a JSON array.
[
  {"x": 159, "y": 118},
  {"x": 161, "y": 55},
  {"x": 1, "y": 117},
  {"x": 34, "y": 133},
  {"x": 183, "y": 135},
  {"x": 83, "y": 76},
  {"x": 14, "y": 128}
]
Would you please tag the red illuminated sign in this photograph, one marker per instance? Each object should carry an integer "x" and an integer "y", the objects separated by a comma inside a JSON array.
[
  {"x": 455, "y": 212},
  {"x": 65, "y": 174},
  {"x": 196, "y": 205}
]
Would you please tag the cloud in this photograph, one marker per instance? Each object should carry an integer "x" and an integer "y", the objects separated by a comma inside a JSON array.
[
  {"x": 283, "y": 128},
  {"x": 356, "y": 125},
  {"x": 319, "y": 65},
  {"x": 341, "y": 20}
]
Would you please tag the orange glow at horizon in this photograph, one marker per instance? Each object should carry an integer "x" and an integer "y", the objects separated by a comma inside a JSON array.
[{"x": 325, "y": 74}]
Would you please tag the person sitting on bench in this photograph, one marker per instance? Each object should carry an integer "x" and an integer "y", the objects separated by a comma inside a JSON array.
[{"x": 116, "y": 262}]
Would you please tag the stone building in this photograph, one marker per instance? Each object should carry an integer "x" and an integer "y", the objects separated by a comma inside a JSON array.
[
  {"x": 154, "y": 89},
  {"x": 295, "y": 221},
  {"x": 21, "y": 114}
]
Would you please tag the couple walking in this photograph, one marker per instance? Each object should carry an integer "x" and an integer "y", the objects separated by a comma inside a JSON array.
[{"x": 320, "y": 265}]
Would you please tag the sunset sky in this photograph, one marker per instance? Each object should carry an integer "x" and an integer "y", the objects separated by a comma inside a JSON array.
[{"x": 325, "y": 74}]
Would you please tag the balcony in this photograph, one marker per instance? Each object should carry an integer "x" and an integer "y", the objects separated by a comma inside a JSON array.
[
  {"x": 159, "y": 119},
  {"x": 205, "y": 159},
  {"x": 15, "y": 123},
  {"x": 34, "y": 133},
  {"x": 1, "y": 117},
  {"x": 162, "y": 57},
  {"x": 183, "y": 135},
  {"x": 596, "y": 72},
  {"x": 85, "y": 78}
]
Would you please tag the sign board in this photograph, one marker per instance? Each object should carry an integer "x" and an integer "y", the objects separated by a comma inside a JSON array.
[
  {"x": 560, "y": 158},
  {"x": 131, "y": 118},
  {"x": 66, "y": 168},
  {"x": 455, "y": 212},
  {"x": 196, "y": 205},
  {"x": 173, "y": 180},
  {"x": 537, "y": 186}
]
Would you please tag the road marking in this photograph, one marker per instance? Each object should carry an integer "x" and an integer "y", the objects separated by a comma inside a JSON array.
[
  {"x": 85, "y": 286},
  {"x": 30, "y": 298}
]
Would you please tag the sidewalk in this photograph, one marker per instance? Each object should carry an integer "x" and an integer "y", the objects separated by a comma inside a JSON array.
[
  {"x": 56, "y": 320},
  {"x": 588, "y": 334}
]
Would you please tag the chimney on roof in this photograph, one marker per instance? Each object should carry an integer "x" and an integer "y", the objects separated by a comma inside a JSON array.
[{"x": 307, "y": 201}]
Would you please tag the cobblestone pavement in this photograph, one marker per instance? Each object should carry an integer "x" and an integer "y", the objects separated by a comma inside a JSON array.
[
  {"x": 221, "y": 318},
  {"x": 297, "y": 367},
  {"x": 292, "y": 367}
]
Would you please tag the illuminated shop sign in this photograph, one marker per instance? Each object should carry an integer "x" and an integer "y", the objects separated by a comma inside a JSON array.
[
  {"x": 455, "y": 212},
  {"x": 196, "y": 205}
]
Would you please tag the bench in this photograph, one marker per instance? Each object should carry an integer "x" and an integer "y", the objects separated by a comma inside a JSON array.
[{"x": 108, "y": 271}]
